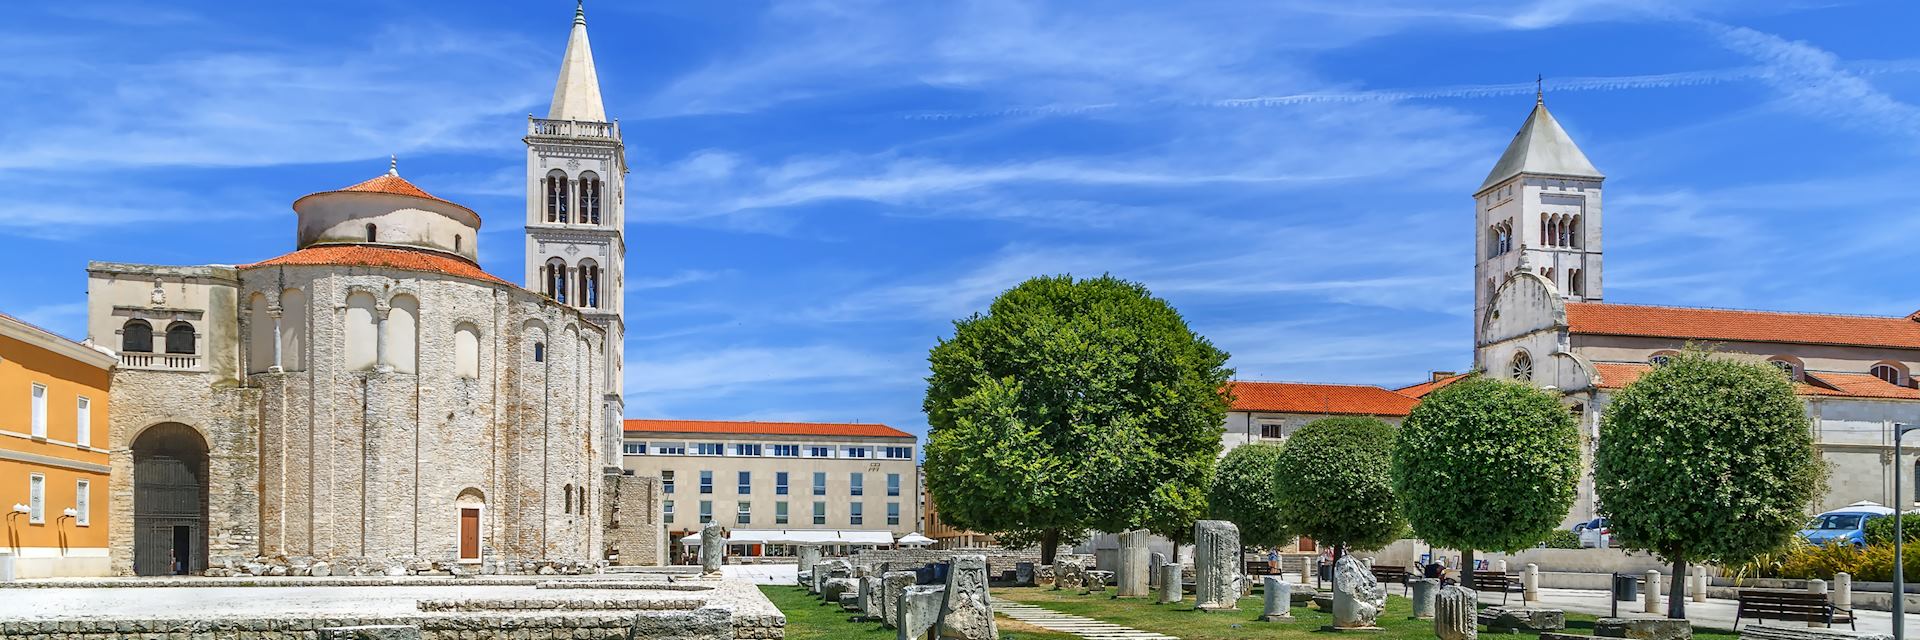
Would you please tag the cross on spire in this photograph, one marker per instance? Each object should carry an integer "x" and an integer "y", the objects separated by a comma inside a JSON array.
[{"x": 1539, "y": 89}]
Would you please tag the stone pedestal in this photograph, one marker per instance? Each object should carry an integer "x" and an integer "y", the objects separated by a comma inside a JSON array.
[
  {"x": 918, "y": 610},
  {"x": 1842, "y": 589},
  {"x": 1171, "y": 590},
  {"x": 1131, "y": 576},
  {"x": 1643, "y": 629},
  {"x": 1530, "y": 582},
  {"x": 1154, "y": 560},
  {"x": 1820, "y": 587},
  {"x": 1700, "y": 583},
  {"x": 1279, "y": 600},
  {"x": 713, "y": 549},
  {"x": 1423, "y": 590},
  {"x": 892, "y": 584},
  {"x": 1216, "y": 565},
  {"x": 1455, "y": 614},
  {"x": 1650, "y": 601},
  {"x": 967, "y": 614},
  {"x": 1357, "y": 595},
  {"x": 809, "y": 556}
]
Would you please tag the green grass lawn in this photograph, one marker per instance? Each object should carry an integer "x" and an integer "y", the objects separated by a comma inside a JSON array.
[
  {"x": 808, "y": 618},
  {"x": 1183, "y": 621}
]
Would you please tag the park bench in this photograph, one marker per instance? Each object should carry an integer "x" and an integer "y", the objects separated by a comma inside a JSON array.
[
  {"x": 1792, "y": 606},
  {"x": 1496, "y": 581},
  {"x": 1392, "y": 574},
  {"x": 1258, "y": 568}
]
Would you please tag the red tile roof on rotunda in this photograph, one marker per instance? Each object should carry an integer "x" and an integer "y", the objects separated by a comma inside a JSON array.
[{"x": 358, "y": 255}]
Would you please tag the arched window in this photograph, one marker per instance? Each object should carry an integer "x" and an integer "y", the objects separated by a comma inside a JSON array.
[
  {"x": 539, "y": 352},
  {"x": 1573, "y": 232},
  {"x": 569, "y": 491},
  {"x": 403, "y": 352},
  {"x": 260, "y": 338},
  {"x": 589, "y": 284},
  {"x": 1890, "y": 373},
  {"x": 1522, "y": 368},
  {"x": 590, "y": 198},
  {"x": 466, "y": 351},
  {"x": 180, "y": 338},
  {"x": 557, "y": 197},
  {"x": 456, "y": 243},
  {"x": 1786, "y": 366},
  {"x": 1574, "y": 285},
  {"x": 556, "y": 279},
  {"x": 136, "y": 337},
  {"x": 1660, "y": 359},
  {"x": 373, "y": 233},
  {"x": 362, "y": 332}
]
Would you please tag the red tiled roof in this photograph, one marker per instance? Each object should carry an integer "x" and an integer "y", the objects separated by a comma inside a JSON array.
[
  {"x": 394, "y": 185},
  {"x": 748, "y": 427},
  {"x": 1339, "y": 399},
  {"x": 1615, "y": 375},
  {"x": 369, "y": 256},
  {"x": 1741, "y": 326},
  {"x": 1421, "y": 390}
]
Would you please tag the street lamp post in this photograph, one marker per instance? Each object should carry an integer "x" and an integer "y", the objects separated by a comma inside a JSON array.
[{"x": 1899, "y": 537}]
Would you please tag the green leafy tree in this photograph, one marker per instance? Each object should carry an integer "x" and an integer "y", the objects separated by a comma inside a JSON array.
[
  {"x": 1706, "y": 459},
  {"x": 1331, "y": 484},
  {"x": 1243, "y": 493},
  {"x": 1486, "y": 464},
  {"x": 1073, "y": 405}
]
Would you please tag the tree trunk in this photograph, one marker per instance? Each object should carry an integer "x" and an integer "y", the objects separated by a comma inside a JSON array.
[
  {"x": 1677, "y": 595},
  {"x": 1176, "y": 554},
  {"x": 1333, "y": 573},
  {"x": 1049, "y": 540},
  {"x": 1466, "y": 568}
]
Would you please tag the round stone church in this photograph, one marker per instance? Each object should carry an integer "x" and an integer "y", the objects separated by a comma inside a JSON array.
[{"x": 373, "y": 400}]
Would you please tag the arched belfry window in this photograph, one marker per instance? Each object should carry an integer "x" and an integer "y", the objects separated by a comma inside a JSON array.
[
  {"x": 373, "y": 233},
  {"x": 590, "y": 198},
  {"x": 589, "y": 284},
  {"x": 556, "y": 189},
  {"x": 1522, "y": 368},
  {"x": 555, "y": 277},
  {"x": 180, "y": 338},
  {"x": 136, "y": 337}
]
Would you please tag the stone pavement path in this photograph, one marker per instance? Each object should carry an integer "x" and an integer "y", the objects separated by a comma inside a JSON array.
[{"x": 1080, "y": 626}]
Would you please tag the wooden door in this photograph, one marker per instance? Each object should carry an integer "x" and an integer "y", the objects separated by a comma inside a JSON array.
[
  {"x": 1306, "y": 545},
  {"x": 469, "y": 534}
]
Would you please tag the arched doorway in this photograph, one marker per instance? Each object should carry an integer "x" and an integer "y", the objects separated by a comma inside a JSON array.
[
  {"x": 470, "y": 503},
  {"x": 169, "y": 501}
]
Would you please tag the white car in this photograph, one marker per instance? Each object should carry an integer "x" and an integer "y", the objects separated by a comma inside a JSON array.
[{"x": 1594, "y": 534}]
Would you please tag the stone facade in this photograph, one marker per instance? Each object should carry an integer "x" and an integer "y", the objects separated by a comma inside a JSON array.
[{"x": 634, "y": 535}]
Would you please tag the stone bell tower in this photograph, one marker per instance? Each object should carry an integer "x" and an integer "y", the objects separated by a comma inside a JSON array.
[
  {"x": 576, "y": 214},
  {"x": 1539, "y": 209}
]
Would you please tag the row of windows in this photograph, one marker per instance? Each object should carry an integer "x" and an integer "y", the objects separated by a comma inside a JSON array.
[
  {"x": 756, "y": 450},
  {"x": 279, "y": 341},
  {"x": 576, "y": 500},
  {"x": 583, "y": 282},
  {"x": 1560, "y": 230},
  {"x": 743, "y": 483},
  {"x": 37, "y": 501},
  {"x": 1576, "y": 280},
  {"x": 1500, "y": 238},
  {"x": 743, "y": 513},
  {"x": 561, "y": 193},
  {"x": 136, "y": 336},
  {"x": 82, "y": 415}
]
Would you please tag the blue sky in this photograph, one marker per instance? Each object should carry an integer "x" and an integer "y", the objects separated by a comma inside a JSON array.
[{"x": 819, "y": 188}]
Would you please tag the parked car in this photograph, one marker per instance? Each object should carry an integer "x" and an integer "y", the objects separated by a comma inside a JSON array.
[
  {"x": 1594, "y": 534},
  {"x": 1847, "y": 525}
]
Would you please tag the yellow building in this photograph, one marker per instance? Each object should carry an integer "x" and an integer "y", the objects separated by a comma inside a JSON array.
[{"x": 53, "y": 464}]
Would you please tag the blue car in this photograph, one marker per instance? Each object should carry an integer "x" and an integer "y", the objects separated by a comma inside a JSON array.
[{"x": 1843, "y": 526}]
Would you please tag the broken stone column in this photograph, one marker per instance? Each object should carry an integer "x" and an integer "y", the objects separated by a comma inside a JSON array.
[
  {"x": 1216, "y": 565},
  {"x": 1068, "y": 573},
  {"x": 1154, "y": 560},
  {"x": 1357, "y": 595},
  {"x": 967, "y": 613},
  {"x": 818, "y": 577},
  {"x": 833, "y": 588},
  {"x": 1423, "y": 590},
  {"x": 892, "y": 584},
  {"x": 1131, "y": 577},
  {"x": 1456, "y": 614},
  {"x": 713, "y": 549},
  {"x": 917, "y": 611},
  {"x": 1279, "y": 600},
  {"x": 809, "y": 555},
  {"x": 870, "y": 597},
  {"x": 1171, "y": 590}
]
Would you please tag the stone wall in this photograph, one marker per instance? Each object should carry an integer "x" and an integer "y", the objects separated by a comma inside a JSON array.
[
  {"x": 634, "y": 531},
  {"x": 702, "y": 624},
  {"x": 998, "y": 560}
]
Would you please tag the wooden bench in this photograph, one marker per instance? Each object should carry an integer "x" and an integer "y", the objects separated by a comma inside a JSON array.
[
  {"x": 1258, "y": 568},
  {"x": 1791, "y": 606},
  {"x": 1393, "y": 574},
  {"x": 1496, "y": 581}
]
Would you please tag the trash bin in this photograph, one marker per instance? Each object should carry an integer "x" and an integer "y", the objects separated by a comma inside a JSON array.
[{"x": 1625, "y": 587}]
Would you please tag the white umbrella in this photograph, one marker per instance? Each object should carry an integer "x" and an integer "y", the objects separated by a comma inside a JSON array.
[{"x": 915, "y": 540}]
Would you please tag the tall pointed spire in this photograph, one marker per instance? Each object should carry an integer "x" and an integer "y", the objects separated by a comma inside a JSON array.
[
  {"x": 1542, "y": 147},
  {"x": 577, "y": 95}
]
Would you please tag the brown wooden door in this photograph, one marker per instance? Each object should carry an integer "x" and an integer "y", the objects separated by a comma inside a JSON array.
[
  {"x": 1306, "y": 545},
  {"x": 469, "y": 534}
]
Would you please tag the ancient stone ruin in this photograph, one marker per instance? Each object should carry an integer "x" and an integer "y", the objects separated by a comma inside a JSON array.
[
  {"x": 1216, "y": 565},
  {"x": 1455, "y": 614},
  {"x": 1357, "y": 596}
]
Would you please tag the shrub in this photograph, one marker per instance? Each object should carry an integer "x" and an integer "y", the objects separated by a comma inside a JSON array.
[
  {"x": 1880, "y": 530},
  {"x": 1561, "y": 539}
]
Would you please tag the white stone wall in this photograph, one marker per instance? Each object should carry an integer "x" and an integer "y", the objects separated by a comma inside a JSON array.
[{"x": 343, "y": 216}]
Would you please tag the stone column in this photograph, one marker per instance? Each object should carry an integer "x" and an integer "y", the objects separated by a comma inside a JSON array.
[
  {"x": 1279, "y": 600},
  {"x": 380, "y": 312},
  {"x": 1531, "y": 581},
  {"x": 713, "y": 549},
  {"x": 279, "y": 361},
  {"x": 1820, "y": 587},
  {"x": 1456, "y": 614},
  {"x": 1171, "y": 590},
  {"x": 892, "y": 584},
  {"x": 1132, "y": 572},
  {"x": 1650, "y": 601},
  {"x": 1154, "y": 560},
  {"x": 1700, "y": 583},
  {"x": 1216, "y": 565},
  {"x": 1842, "y": 590},
  {"x": 1424, "y": 590},
  {"x": 1500, "y": 566},
  {"x": 967, "y": 614}
]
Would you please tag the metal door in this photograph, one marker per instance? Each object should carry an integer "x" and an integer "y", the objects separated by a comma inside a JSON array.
[{"x": 169, "y": 501}]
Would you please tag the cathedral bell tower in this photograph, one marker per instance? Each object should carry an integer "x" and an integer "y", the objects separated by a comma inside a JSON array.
[
  {"x": 576, "y": 213},
  {"x": 1539, "y": 210}
]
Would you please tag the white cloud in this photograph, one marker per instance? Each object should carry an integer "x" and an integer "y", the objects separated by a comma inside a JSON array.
[{"x": 1815, "y": 82}]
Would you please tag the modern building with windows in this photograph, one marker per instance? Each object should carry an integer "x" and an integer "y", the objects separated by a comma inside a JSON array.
[
  {"x": 778, "y": 476},
  {"x": 53, "y": 459}
]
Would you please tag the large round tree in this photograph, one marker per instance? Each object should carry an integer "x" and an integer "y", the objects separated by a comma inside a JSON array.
[
  {"x": 1072, "y": 405},
  {"x": 1331, "y": 484},
  {"x": 1243, "y": 494},
  {"x": 1486, "y": 464},
  {"x": 1706, "y": 459}
]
